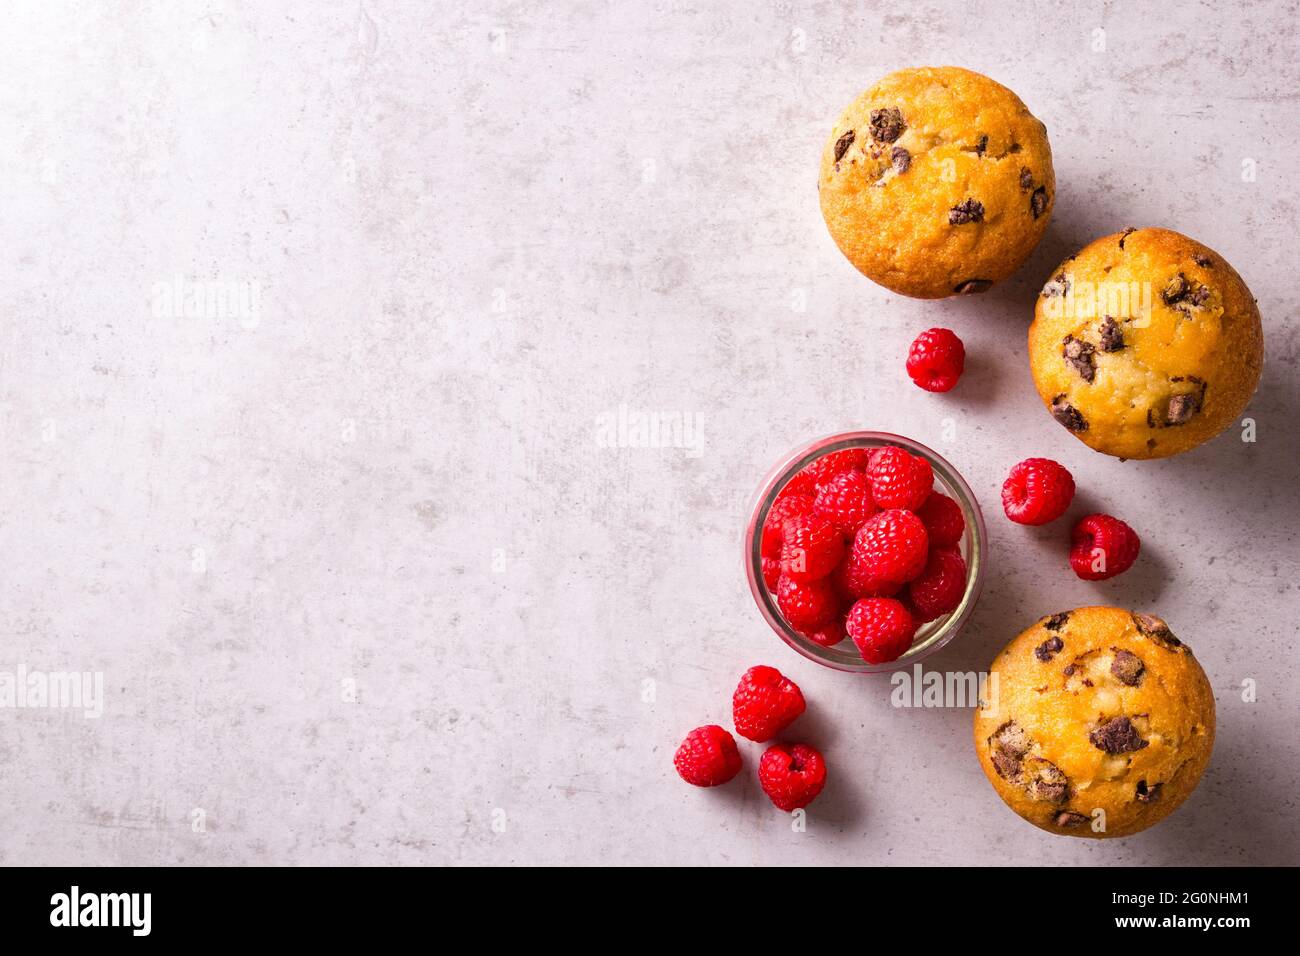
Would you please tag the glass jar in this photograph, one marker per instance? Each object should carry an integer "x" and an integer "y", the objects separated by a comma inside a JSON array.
[{"x": 932, "y": 635}]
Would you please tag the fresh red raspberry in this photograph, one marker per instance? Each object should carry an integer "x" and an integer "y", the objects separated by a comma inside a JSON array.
[
  {"x": 1037, "y": 491},
  {"x": 765, "y": 703},
  {"x": 806, "y": 606},
  {"x": 845, "y": 500},
  {"x": 939, "y": 588},
  {"x": 882, "y": 628},
  {"x": 829, "y": 634},
  {"x": 803, "y": 483},
  {"x": 707, "y": 757},
  {"x": 782, "y": 510},
  {"x": 837, "y": 462},
  {"x": 854, "y": 581},
  {"x": 771, "y": 571},
  {"x": 900, "y": 480},
  {"x": 813, "y": 547},
  {"x": 840, "y": 581},
  {"x": 791, "y": 776},
  {"x": 936, "y": 360},
  {"x": 891, "y": 546},
  {"x": 1102, "y": 547},
  {"x": 942, "y": 519}
]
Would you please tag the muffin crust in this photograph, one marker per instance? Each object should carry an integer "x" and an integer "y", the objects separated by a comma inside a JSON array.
[
  {"x": 1102, "y": 723},
  {"x": 1145, "y": 344},
  {"x": 937, "y": 181}
]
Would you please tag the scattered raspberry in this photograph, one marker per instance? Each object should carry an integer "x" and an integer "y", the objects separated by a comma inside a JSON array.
[
  {"x": 940, "y": 587},
  {"x": 765, "y": 703},
  {"x": 899, "y": 479},
  {"x": 806, "y": 606},
  {"x": 882, "y": 628},
  {"x": 782, "y": 510},
  {"x": 891, "y": 546},
  {"x": 830, "y": 634},
  {"x": 812, "y": 548},
  {"x": 707, "y": 757},
  {"x": 943, "y": 520},
  {"x": 845, "y": 500},
  {"x": 837, "y": 462},
  {"x": 771, "y": 571},
  {"x": 1102, "y": 547},
  {"x": 803, "y": 483},
  {"x": 936, "y": 360},
  {"x": 791, "y": 776},
  {"x": 1037, "y": 491}
]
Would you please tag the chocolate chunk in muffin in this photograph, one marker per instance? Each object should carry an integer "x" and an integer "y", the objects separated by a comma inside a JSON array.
[
  {"x": 887, "y": 125},
  {"x": 842, "y": 145},
  {"x": 1068, "y": 818},
  {"x": 1008, "y": 745},
  {"x": 1068, "y": 415},
  {"x": 1147, "y": 794},
  {"x": 1058, "y": 286},
  {"x": 1156, "y": 629},
  {"x": 1181, "y": 409},
  {"x": 1007, "y": 766},
  {"x": 1048, "y": 649},
  {"x": 1127, "y": 667},
  {"x": 901, "y": 159},
  {"x": 968, "y": 210},
  {"x": 1045, "y": 781},
  {"x": 1078, "y": 355},
  {"x": 1117, "y": 736},
  {"x": 1175, "y": 290},
  {"x": 1112, "y": 337},
  {"x": 1038, "y": 201}
]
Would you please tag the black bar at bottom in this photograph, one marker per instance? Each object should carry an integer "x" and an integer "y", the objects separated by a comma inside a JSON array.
[{"x": 336, "y": 906}]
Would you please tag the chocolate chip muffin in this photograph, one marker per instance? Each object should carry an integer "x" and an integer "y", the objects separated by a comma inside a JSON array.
[
  {"x": 1099, "y": 723},
  {"x": 937, "y": 181},
  {"x": 1145, "y": 344}
]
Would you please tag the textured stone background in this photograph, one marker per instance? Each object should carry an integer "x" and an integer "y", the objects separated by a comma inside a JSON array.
[{"x": 363, "y": 583}]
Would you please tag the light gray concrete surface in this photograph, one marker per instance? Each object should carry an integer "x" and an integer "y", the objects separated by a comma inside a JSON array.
[{"x": 362, "y": 579}]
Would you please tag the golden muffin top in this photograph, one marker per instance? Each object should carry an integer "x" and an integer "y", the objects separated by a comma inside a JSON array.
[
  {"x": 1145, "y": 343},
  {"x": 1096, "y": 708},
  {"x": 937, "y": 181}
]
